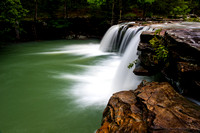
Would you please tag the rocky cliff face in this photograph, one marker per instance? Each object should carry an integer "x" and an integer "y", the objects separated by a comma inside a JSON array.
[
  {"x": 152, "y": 107},
  {"x": 182, "y": 67}
]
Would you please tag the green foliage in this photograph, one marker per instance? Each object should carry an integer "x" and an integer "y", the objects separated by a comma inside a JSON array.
[
  {"x": 192, "y": 19},
  {"x": 96, "y": 2},
  {"x": 155, "y": 42},
  {"x": 12, "y": 11},
  {"x": 149, "y": 14},
  {"x": 60, "y": 23},
  {"x": 132, "y": 64},
  {"x": 181, "y": 8},
  {"x": 157, "y": 32},
  {"x": 161, "y": 51},
  {"x": 130, "y": 15},
  {"x": 146, "y": 1}
]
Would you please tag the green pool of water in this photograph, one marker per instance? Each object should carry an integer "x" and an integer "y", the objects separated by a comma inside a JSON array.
[{"x": 34, "y": 96}]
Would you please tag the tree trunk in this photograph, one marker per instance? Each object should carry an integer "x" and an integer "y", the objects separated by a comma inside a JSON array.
[
  {"x": 120, "y": 8},
  {"x": 35, "y": 20},
  {"x": 144, "y": 10},
  {"x": 113, "y": 13},
  {"x": 120, "y": 15},
  {"x": 17, "y": 30},
  {"x": 65, "y": 9},
  {"x": 36, "y": 10}
]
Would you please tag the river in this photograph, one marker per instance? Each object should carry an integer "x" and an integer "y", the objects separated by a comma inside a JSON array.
[
  {"x": 63, "y": 86},
  {"x": 59, "y": 86}
]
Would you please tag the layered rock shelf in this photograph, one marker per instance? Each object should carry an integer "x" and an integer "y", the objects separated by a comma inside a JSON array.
[
  {"x": 182, "y": 68},
  {"x": 152, "y": 107}
]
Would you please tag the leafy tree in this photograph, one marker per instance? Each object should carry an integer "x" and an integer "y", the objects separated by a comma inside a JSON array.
[
  {"x": 145, "y": 4},
  {"x": 12, "y": 12},
  {"x": 112, "y": 8},
  {"x": 96, "y": 2},
  {"x": 181, "y": 8}
]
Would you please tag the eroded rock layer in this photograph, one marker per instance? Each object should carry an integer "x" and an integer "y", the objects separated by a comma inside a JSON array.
[{"x": 152, "y": 107}]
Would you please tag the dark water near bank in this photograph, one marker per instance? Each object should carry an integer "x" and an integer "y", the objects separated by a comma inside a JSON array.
[{"x": 49, "y": 87}]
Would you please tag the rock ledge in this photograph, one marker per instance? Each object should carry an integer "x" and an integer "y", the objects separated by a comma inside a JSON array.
[{"x": 152, "y": 107}]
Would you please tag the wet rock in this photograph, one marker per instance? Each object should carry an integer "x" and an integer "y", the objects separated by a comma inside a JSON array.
[
  {"x": 147, "y": 55},
  {"x": 146, "y": 36},
  {"x": 185, "y": 42},
  {"x": 182, "y": 66},
  {"x": 188, "y": 67},
  {"x": 139, "y": 70},
  {"x": 152, "y": 107},
  {"x": 184, "y": 50},
  {"x": 145, "y": 47}
]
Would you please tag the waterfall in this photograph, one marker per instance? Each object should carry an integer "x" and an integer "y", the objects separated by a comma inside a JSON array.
[
  {"x": 125, "y": 78},
  {"x": 117, "y": 37},
  {"x": 109, "y": 39},
  {"x": 128, "y": 39},
  {"x": 130, "y": 33}
]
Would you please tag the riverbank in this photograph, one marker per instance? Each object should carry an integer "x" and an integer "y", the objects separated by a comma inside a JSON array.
[
  {"x": 69, "y": 28},
  {"x": 52, "y": 29}
]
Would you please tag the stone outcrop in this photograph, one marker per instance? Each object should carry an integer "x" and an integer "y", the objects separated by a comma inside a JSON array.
[
  {"x": 152, "y": 107},
  {"x": 182, "y": 67}
]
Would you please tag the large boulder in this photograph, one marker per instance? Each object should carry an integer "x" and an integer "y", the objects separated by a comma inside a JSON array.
[{"x": 152, "y": 107}]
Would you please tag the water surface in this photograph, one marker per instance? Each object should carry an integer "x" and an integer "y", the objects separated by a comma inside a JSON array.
[{"x": 54, "y": 86}]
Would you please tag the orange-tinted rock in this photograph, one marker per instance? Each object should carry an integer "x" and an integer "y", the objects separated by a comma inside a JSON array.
[
  {"x": 153, "y": 107},
  {"x": 188, "y": 67}
]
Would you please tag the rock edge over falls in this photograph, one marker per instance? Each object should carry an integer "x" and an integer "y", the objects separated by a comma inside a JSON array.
[{"x": 152, "y": 107}]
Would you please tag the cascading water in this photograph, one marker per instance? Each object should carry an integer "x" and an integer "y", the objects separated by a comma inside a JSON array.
[
  {"x": 108, "y": 40},
  {"x": 124, "y": 39},
  {"x": 116, "y": 36},
  {"x": 125, "y": 78},
  {"x": 97, "y": 84},
  {"x": 128, "y": 40},
  {"x": 130, "y": 32}
]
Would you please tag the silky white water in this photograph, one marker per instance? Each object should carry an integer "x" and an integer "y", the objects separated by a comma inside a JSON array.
[
  {"x": 93, "y": 86},
  {"x": 54, "y": 86},
  {"x": 125, "y": 79},
  {"x": 63, "y": 86}
]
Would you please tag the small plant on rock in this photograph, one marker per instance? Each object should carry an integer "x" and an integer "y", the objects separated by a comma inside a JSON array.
[
  {"x": 132, "y": 64},
  {"x": 161, "y": 51}
]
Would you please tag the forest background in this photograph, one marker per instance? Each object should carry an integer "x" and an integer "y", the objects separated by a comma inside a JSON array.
[{"x": 22, "y": 20}]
